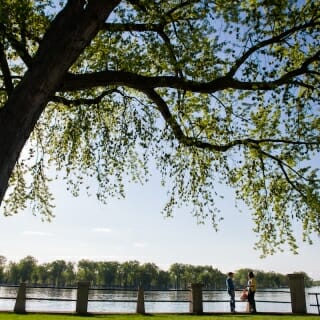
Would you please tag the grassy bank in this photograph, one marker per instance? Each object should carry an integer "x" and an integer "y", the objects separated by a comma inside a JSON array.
[{"x": 12, "y": 316}]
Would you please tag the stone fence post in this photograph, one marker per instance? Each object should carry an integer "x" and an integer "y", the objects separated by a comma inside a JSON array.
[
  {"x": 195, "y": 304},
  {"x": 82, "y": 297},
  {"x": 140, "y": 301},
  {"x": 297, "y": 292},
  {"x": 20, "y": 305}
]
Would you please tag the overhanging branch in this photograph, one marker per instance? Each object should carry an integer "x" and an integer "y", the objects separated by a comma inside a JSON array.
[
  {"x": 198, "y": 143},
  {"x": 74, "y": 82},
  {"x": 83, "y": 101}
]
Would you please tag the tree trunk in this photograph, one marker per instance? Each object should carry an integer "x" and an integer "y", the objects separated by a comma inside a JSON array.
[{"x": 70, "y": 32}]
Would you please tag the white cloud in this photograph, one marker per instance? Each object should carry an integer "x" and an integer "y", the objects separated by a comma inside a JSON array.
[{"x": 102, "y": 230}]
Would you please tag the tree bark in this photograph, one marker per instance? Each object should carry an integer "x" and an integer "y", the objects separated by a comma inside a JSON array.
[{"x": 70, "y": 32}]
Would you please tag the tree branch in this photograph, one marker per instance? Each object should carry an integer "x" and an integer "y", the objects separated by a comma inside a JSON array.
[
  {"x": 300, "y": 71},
  {"x": 81, "y": 101},
  {"x": 17, "y": 46},
  {"x": 279, "y": 38},
  {"x": 74, "y": 82},
  {"x": 191, "y": 141},
  {"x": 166, "y": 40},
  {"x": 136, "y": 3},
  {"x": 293, "y": 185},
  {"x": 281, "y": 164},
  {"x": 172, "y": 122},
  {"x": 5, "y": 71},
  {"x": 179, "y": 6},
  {"x": 132, "y": 27},
  {"x": 142, "y": 27}
]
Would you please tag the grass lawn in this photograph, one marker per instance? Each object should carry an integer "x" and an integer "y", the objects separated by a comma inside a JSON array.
[{"x": 12, "y": 316}]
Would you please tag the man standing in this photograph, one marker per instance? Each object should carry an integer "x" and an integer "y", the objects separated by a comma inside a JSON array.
[{"x": 231, "y": 291}]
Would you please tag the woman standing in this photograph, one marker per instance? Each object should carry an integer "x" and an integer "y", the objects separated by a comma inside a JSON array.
[{"x": 252, "y": 285}]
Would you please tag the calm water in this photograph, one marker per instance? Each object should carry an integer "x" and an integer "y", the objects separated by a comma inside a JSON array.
[{"x": 122, "y": 301}]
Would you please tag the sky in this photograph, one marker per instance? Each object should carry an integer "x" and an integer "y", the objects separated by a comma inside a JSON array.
[{"x": 134, "y": 229}]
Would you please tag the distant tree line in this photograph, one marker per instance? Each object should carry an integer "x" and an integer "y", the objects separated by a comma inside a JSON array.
[
  {"x": 316, "y": 283},
  {"x": 128, "y": 274}
]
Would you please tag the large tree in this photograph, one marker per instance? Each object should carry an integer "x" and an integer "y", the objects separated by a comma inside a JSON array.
[{"x": 210, "y": 91}]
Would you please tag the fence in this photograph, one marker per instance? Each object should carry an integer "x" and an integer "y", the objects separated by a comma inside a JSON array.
[
  {"x": 195, "y": 297},
  {"x": 317, "y": 300}
]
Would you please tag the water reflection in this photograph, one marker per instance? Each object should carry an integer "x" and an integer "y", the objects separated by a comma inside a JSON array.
[{"x": 112, "y": 301}]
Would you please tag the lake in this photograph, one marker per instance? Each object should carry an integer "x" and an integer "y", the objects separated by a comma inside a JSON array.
[{"x": 124, "y": 301}]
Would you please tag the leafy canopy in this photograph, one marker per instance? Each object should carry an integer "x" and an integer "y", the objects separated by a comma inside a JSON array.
[{"x": 211, "y": 91}]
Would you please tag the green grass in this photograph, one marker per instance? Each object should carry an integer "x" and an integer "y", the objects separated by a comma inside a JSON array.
[{"x": 32, "y": 316}]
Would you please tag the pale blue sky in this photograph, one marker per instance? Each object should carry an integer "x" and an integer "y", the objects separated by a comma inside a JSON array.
[{"x": 134, "y": 228}]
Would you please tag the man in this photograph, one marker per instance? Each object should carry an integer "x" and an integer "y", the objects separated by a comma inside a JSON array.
[{"x": 231, "y": 291}]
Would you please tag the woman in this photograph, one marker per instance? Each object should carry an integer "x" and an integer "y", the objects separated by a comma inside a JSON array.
[{"x": 251, "y": 291}]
